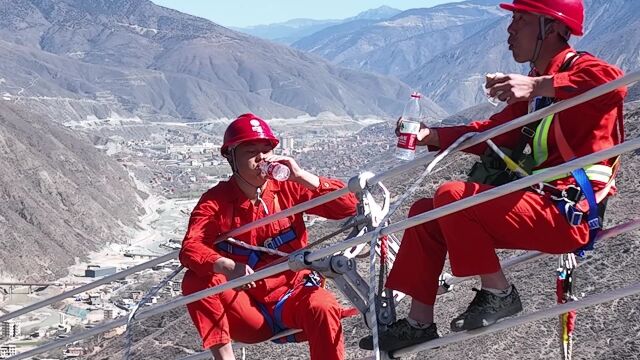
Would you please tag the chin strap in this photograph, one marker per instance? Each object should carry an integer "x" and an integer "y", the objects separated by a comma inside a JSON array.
[
  {"x": 234, "y": 168},
  {"x": 542, "y": 30}
]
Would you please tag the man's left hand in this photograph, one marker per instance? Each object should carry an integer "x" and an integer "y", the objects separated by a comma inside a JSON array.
[{"x": 514, "y": 87}]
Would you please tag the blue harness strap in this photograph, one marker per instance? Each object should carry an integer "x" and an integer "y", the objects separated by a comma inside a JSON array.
[
  {"x": 275, "y": 322},
  {"x": 253, "y": 255},
  {"x": 277, "y": 317},
  {"x": 574, "y": 216},
  {"x": 277, "y": 241}
]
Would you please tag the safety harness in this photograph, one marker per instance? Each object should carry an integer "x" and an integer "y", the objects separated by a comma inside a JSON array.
[
  {"x": 253, "y": 258},
  {"x": 570, "y": 201},
  {"x": 532, "y": 150}
]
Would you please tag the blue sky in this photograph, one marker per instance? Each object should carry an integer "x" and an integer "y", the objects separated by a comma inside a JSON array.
[{"x": 254, "y": 12}]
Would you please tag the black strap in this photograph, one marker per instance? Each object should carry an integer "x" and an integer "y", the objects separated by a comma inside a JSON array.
[{"x": 528, "y": 131}]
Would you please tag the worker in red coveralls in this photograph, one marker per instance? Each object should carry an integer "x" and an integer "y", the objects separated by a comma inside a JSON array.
[
  {"x": 289, "y": 300},
  {"x": 526, "y": 219}
]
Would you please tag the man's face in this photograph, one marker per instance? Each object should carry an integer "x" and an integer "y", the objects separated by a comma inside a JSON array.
[
  {"x": 248, "y": 155},
  {"x": 523, "y": 35}
]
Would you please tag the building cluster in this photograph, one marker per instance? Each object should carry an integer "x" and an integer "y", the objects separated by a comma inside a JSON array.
[{"x": 11, "y": 329}]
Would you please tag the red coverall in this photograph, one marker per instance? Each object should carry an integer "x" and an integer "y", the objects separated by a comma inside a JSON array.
[
  {"x": 237, "y": 314},
  {"x": 521, "y": 219}
]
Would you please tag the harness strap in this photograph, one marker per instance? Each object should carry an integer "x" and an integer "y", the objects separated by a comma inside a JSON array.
[
  {"x": 277, "y": 316},
  {"x": 529, "y": 131},
  {"x": 275, "y": 321},
  {"x": 277, "y": 241},
  {"x": 574, "y": 215},
  {"x": 580, "y": 175},
  {"x": 254, "y": 255}
]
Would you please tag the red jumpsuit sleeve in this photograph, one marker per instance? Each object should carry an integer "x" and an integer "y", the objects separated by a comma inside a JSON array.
[
  {"x": 448, "y": 135},
  {"x": 197, "y": 253},
  {"x": 339, "y": 208},
  {"x": 587, "y": 73}
]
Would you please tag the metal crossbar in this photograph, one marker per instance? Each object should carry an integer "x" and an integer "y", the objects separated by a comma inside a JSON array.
[
  {"x": 87, "y": 287},
  {"x": 207, "y": 355},
  {"x": 533, "y": 255},
  {"x": 327, "y": 251},
  {"x": 430, "y": 215},
  {"x": 484, "y": 196},
  {"x": 477, "y": 139},
  {"x": 522, "y": 319},
  {"x": 505, "y": 264}
]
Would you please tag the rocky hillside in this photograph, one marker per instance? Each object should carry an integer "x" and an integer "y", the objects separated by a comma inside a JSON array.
[
  {"x": 61, "y": 197},
  {"x": 134, "y": 58}
]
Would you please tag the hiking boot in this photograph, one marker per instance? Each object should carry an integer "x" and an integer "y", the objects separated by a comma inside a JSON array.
[
  {"x": 400, "y": 335},
  {"x": 487, "y": 308}
]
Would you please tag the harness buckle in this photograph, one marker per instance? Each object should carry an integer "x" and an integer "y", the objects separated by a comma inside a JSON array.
[
  {"x": 528, "y": 132},
  {"x": 269, "y": 243},
  {"x": 594, "y": 224},
  {"x": 573, "y": 193},
  {"x": 573, "y": 215},
  {"x": 226, "y": 246}
]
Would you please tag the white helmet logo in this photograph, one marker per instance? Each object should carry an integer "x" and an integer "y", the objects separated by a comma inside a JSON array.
[{"x": 256, "y": 126}]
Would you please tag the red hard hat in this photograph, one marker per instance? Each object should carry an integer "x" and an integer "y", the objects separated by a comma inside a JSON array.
[
  {"x": 569, "y": 12},
  {"x": 246, "y": 127}
]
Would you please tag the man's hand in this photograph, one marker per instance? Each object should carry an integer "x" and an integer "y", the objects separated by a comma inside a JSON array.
[
  {"x": 233, "y": 270},
  {"x": 514, "y": 87},
  {"x": 298, "y": 174},
  {"x": 424, "y": 137}
]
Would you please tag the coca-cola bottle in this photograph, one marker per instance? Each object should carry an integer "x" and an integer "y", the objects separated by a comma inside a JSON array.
[
  {"x": 409, "y": 127},
  {"x": 274, "y": 170}
]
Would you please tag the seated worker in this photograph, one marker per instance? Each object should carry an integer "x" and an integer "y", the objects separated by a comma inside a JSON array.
[
  {"x": 289, "y": 300},
  {"x": 525, "y": 219}
]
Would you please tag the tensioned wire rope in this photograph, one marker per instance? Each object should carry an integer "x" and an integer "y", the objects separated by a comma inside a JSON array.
[
  {"x": 479, "y": 138},
  {"x": 508, "y": 263},
  {"x": 377, "y": 290},
  {"x": 327, "y": 251}
]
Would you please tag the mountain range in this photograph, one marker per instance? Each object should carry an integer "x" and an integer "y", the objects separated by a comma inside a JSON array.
[
  {"x": 292, "y": 30},
  {"x": 134, "y": 58},
  {"x": 446, "y": 50}
]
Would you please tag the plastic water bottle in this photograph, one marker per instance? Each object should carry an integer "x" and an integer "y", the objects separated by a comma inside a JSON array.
[
  {"x": 492, "y": 100},
  {"x": 409, "y": 127},
  {"x": 274, "y": 170}
]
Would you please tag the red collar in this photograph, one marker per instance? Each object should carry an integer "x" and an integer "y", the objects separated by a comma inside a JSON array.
[
  {"x": 556, "y": 62},
  {"x": 241, "y": 200}
]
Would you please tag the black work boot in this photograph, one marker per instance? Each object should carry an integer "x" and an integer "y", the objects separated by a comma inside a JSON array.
[
  {"x": 399, "y": 335},
  {"x": 487, "y": 308}
]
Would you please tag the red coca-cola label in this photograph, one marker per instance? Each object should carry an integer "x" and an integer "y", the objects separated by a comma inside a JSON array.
[{"x": 407, "y": 141}]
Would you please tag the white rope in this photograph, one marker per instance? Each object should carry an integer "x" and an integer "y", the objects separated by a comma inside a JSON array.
[
  {"x": 373, "y": 284},
  {"x": 482, "y": 137},
  {"x": 330, "y": 250},
  {"x": 256, "y": 248}
]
